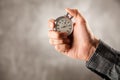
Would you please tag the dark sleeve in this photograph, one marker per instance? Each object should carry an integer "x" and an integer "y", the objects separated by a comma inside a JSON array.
[{"x": 105, "y": 62}]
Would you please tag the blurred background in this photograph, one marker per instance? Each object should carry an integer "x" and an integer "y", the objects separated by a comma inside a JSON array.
[{"x": 25, "y": 53}]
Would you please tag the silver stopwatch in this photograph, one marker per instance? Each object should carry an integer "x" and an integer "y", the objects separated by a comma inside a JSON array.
[{"x": 64, "y": 24}]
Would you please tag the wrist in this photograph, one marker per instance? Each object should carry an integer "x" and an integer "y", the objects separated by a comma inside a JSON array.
[{"x": 93, "y": 47}]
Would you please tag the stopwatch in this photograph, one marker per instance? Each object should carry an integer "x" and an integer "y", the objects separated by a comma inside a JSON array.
[{"x": 64, "y": 24}]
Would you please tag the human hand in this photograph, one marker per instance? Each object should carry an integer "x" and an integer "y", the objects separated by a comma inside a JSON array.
[{"x": 80, "y": 45}]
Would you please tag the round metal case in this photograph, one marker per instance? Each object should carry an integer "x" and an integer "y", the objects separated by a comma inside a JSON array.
[{"x": 64, "y": 24}]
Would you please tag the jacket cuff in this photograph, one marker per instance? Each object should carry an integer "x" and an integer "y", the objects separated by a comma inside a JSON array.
[{"x": 102, "y": 60}]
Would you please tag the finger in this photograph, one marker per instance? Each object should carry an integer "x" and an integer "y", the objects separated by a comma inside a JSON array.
[
  {"x": 75, "y": 13},
  {"x": 59, "y": 41},
  {"x": 62, "y": 48},
  {"x": 51, "y": 23},
  {"x": 57, "y": 35}
]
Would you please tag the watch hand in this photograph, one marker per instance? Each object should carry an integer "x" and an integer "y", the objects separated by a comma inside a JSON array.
[{"x": 63, "y": 27}]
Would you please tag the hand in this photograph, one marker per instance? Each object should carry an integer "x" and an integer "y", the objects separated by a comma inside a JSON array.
[{"x": 82, "y": 43}]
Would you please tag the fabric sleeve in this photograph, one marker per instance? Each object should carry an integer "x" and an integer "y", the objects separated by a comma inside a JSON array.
[{"x": 105, "y": 62}]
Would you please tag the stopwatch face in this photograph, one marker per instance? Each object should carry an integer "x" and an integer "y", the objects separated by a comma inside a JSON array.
[{"x": 64, "y": 24}]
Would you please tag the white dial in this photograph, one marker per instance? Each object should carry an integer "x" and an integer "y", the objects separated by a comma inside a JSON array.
[{"x": 64, "y": 24}]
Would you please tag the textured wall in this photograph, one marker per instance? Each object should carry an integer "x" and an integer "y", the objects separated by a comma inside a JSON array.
[{"x": 25, "y": 53}]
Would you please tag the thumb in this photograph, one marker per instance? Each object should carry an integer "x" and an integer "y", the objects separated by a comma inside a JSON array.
[{"x": 75, "y": 13}]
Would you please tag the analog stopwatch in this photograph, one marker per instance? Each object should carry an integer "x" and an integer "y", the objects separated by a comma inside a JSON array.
[{"x": 64, "y": 24}]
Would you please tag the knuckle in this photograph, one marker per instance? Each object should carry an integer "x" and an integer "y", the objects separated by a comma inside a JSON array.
[
  {"x": 52, "y": 34},
  {"x": 76, "y": 10},
  {"x": 49, "y": 34},
  {"x": 57, "y": 47},
  {"x": 51, "y": 24},
  {"x": 51, "y": 20},
  {"x": 82, "y": 21},
  {"x": 50, "y": 41}
]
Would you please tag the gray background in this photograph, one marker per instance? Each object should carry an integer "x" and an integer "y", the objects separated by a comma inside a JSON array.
[{"x": 25, "y": 53}]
